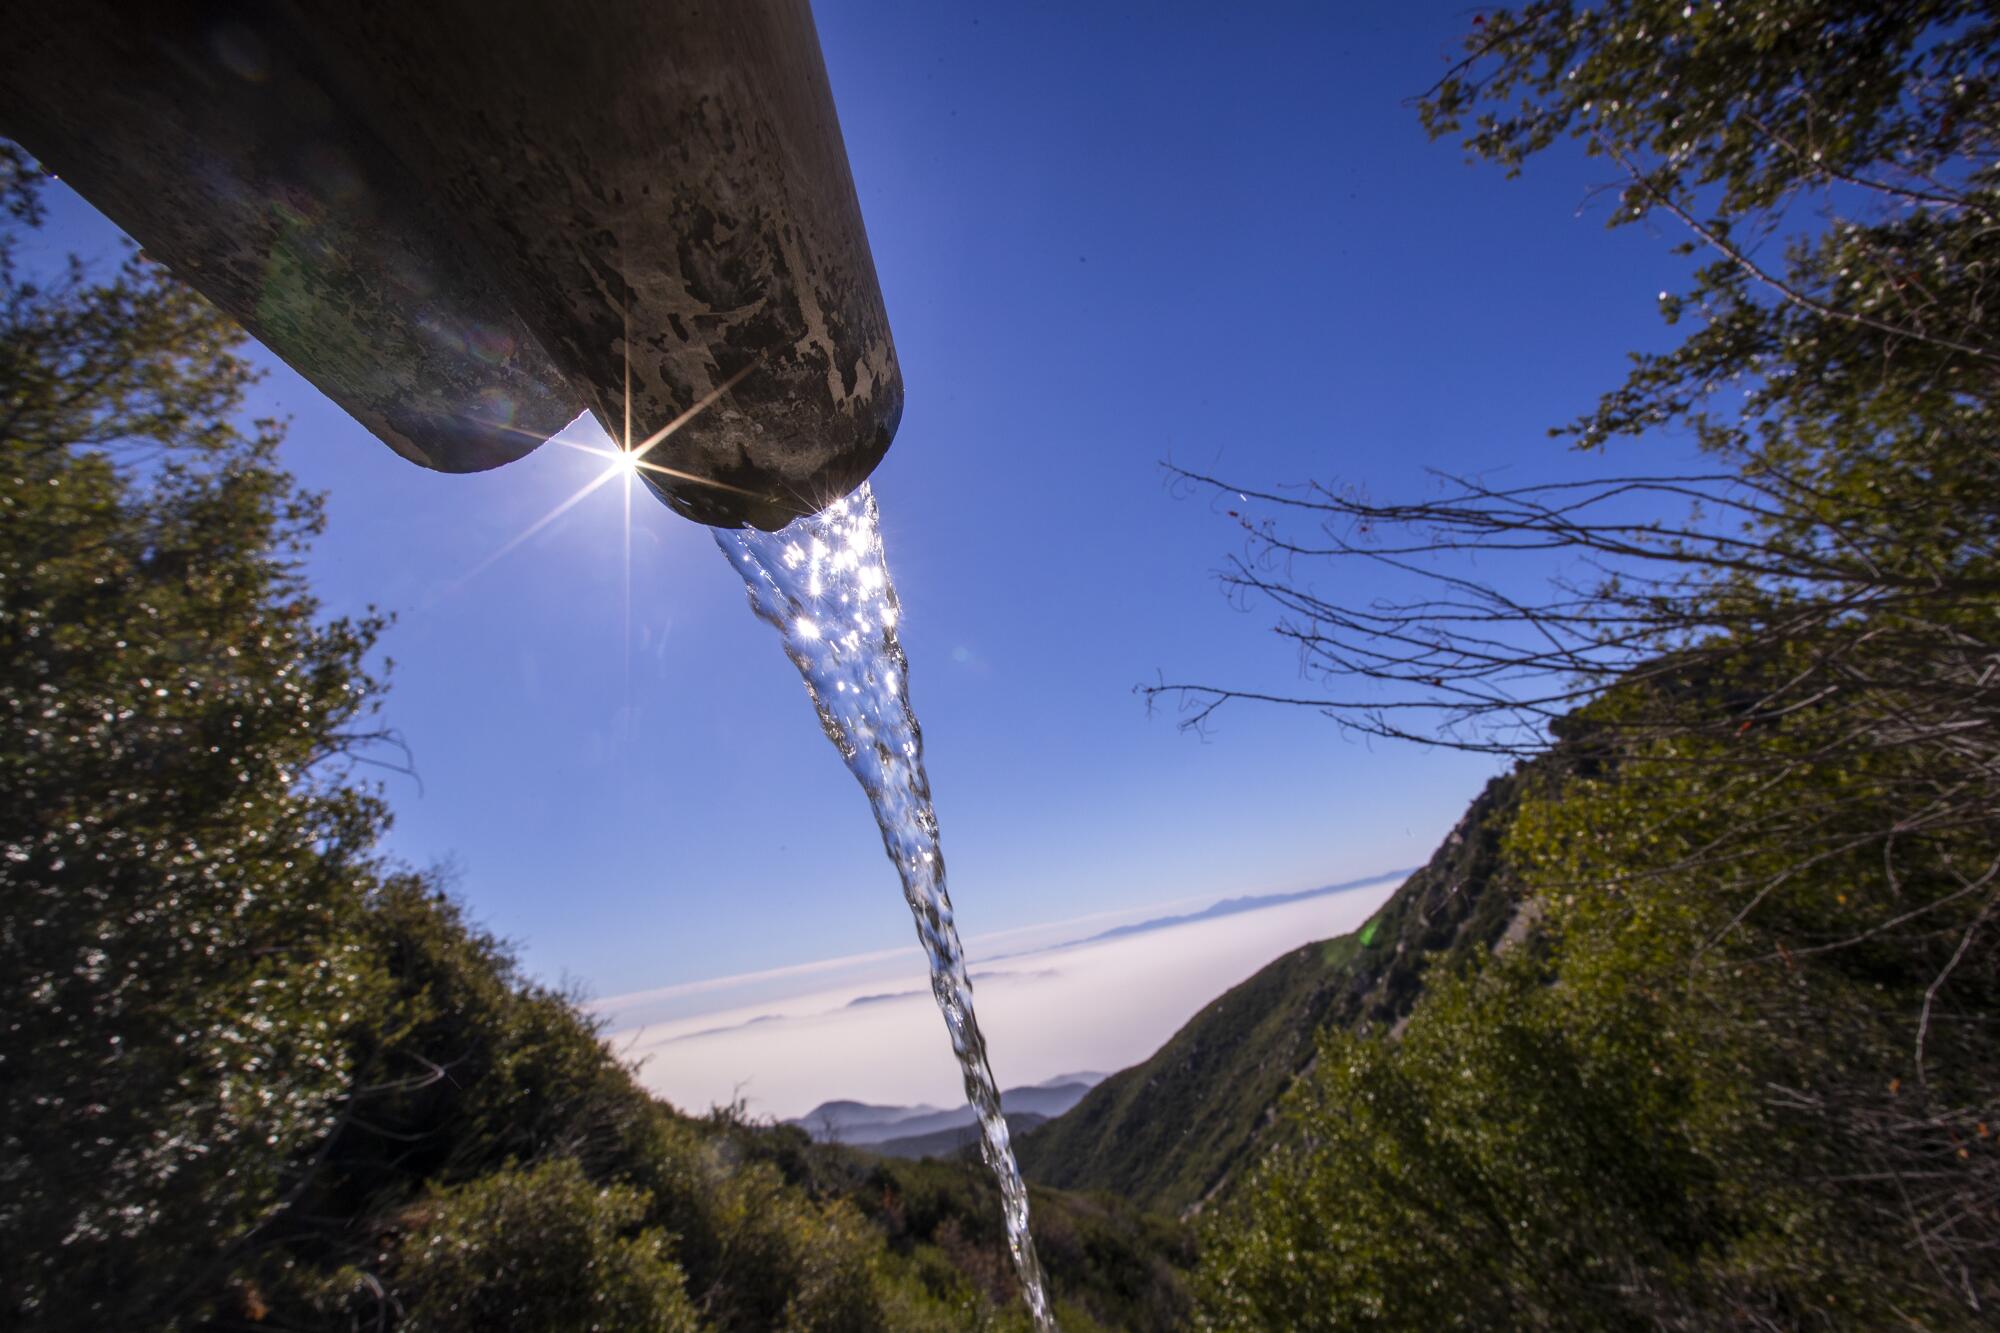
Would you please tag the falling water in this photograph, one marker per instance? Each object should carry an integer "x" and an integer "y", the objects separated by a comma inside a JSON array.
[{"x": 823, "y": 584}]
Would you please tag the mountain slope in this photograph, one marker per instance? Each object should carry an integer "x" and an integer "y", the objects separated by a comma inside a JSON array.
[
  {"x": 859, "y": 1124},
  {"x": 855, "y": 1122},
  {"x": 1231, "y": 907},
  {"x": 952, "y": 1140},
  {"x": 1168, "y": 1132}
]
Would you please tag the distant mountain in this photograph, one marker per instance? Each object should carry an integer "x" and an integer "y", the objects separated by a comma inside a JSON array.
[
  {"x": 845, "y": 1121},
  {"x": 1043, "y": 1099},
  {"x": 1232, "y": 906},
  {"x": 958, "y": 1139},
  {"x": 860, "y": 1124},
  {"x": 1090, "y": 1078},
  {"x": 1171, "y": 1131}
]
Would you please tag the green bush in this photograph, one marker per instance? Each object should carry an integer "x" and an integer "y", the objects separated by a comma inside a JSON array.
[{"x": 541, "y": 1248}]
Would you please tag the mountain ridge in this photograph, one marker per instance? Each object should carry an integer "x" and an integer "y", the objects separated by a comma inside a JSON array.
[
  {"x": 952, "y": 1141},
  {"x": 1221, "y": 907},
  {"x": 1173, "y": 1130},
  {"x": 868, "y": 1125}
]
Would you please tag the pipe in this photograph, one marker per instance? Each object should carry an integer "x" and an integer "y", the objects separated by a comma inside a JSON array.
[{"x": 466, "y": 222}]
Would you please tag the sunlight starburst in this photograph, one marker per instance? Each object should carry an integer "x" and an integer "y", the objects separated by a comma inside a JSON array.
[{"x": 627, "y": 461}]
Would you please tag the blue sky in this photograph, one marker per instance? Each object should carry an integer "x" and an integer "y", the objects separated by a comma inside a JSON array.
[{"x": 1107, "y": 235}]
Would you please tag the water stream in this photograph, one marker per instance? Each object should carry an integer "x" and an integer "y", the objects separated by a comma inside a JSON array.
[{"x": 823, "y": 584}]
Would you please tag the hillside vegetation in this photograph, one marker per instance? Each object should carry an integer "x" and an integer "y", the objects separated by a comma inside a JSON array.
[
  {"x": 1744, "y": 1072},
  {"x": 1171, "y": 1131}
]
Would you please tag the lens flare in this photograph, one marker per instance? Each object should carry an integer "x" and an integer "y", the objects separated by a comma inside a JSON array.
[{"x": 626, "y": 461}]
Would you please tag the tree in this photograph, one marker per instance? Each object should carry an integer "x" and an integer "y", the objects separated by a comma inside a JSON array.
[
  {"x": 1845, "y": 391},
  {"x": 176, "y": 843},
  {"x": 1829, "y": 595},
  {"x": 1658, "y": 1110},
  {"x": 1501, "y": 1166},
  {"x": 1775, "y": 683}
]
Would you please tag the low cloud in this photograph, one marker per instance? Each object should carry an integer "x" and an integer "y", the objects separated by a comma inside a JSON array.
[
  {"x": 1109, "y": 1004},
  {"x": 727, "y": 1027},
  {"x": 860, "y": 1000}
]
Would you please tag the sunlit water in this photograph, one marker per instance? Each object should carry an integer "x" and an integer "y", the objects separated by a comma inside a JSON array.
[{"x": 823, "y": 584}]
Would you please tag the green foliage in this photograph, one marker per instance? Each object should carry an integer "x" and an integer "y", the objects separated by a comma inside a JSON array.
[
  {"x": 1681, "y": 1107},
  {"x": 1846, "y": 1069},
  {"x": 1109, "y": 1264},
  {"x": 1498, "y": 1166},
  {"x": 138, "y": 364},
  {"x": 1845, "y": 379},
  {"x": 1175, "y": 1129},
  {"x": 465, "y": 1071},
  {"x": 181, "y": 958},
  {"x": 1758, "y": 100},
  {"x": 1835, "y": 166},
  {"x": 1744, "y": 1073},
  {"x": 542, "y": 1249}
]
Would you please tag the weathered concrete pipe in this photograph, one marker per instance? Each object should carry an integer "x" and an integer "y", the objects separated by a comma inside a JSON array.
[{"x": 466, "y": 222}]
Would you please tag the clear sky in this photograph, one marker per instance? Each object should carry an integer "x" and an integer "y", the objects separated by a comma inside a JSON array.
[{"x": 1108, "y": 234}]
